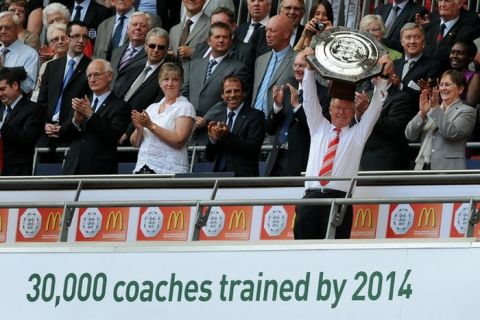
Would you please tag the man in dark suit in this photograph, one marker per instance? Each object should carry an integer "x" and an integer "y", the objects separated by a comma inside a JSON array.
[
  {"x": 91, "y": 13},
  {"x": 240, "y": 50},
  {"x": 235, "y": 133},
  {"x": 258, "y": 11},
  {"x": 132, "y": 54},
  {"x": 95, "y": 128},
  {"x": 414, "y": 64},
  {"x": 387, "y": 146},
  {"x": 396, "y": 15},
  {"x": 204, "y": 77},
  {"x": 139, "y": 87},
  {"x": 441, "y": 34},
  {"x": 63, "y": 80},
  {"x": 21, "y": 124}
]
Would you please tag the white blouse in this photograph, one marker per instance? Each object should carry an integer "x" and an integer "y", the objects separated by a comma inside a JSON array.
[{"x": 155, "y": 153}]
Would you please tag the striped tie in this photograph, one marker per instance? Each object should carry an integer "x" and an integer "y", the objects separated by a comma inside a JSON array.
[{"x": 329, "y": 158}]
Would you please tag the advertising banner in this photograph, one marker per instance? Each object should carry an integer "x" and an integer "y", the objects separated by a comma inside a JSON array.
[
  {"x": 282, "y": 282},
  {"x": 277, "y": 223},
  {"x": 364, "y": 224},
  {"x": 163, "y": 223},
  {"x": 228, "y": 223},
  {"x": 39, "y": 224},
  {"x": 3, "y": 224},
  {"x": 419, "y": 220},
  {"x": 102, "y": 224},
  {"x": 459, "y": 224}
]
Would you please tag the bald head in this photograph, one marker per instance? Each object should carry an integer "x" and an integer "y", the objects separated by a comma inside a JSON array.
[{"x": 279, "y": 30}]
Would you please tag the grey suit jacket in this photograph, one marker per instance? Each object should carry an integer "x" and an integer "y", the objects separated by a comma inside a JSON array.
[
  {"x": 204, "y": 94},
  {"x": 198, "y": 34},
  {"x": 282, "y": 75},
  {"x": 139, "y": 59},
  {"x": 454, "y": 127}
]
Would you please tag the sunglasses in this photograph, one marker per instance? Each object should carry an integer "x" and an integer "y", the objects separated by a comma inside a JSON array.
[{"x": 158, "y": 46}]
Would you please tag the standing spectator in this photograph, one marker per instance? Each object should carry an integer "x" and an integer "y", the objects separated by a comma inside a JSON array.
[
  {"x": 461, "y": 55},
  {"x": 373, "y": 24},
  {"x": 91, "y": 13},
  {"x": 210, "y": 5},
  {"x": 63, "y": 80},
  {"x": 443, "y": 128},
  {"x": 21, "y": 124},
  {"x": 132, "y": 53},
  {"x": 258, "y": 11},
  {"x": 53, "y": 13},
  {"x": 96, "y": 125},
  {"x": 294, "y": 10},
  {"x": 162, "y": 131},
  {"x": 15, "y": 53},
  {"x": 235, "y": 133},
  {"x": 395, "y": 15},
  {"x": 185, "y": 36},
  {"x": 335, "y": 150},
  {"x": 321, "y": 14}
]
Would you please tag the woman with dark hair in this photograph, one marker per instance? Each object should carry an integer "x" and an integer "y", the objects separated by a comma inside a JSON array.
[
  {"x": 163, "y": 129},
  {"x": 21, "y": 126},
  {"x": 319, "y": 18},
  {"x": 443, "y": 128},
  {"x": 461, "y": 55}
]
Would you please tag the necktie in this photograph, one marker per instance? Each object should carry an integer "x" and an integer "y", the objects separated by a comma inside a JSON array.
[
  {"x": 231, "y": 114},
  {"x": 407, "y": 66},
  {"x": 443, "y": 26},
  {"x": 261, "y": 99},
  {"x": 127, "y": 57},
  {"x": 185, "y": 33},
  {"x": 4, "y": 55},
  {"x": 210, "y": 66},
  {"x": 250, "y": 31},
  {"x": 78, "y": 13},
  {"x": 327, "y": 165},
  {"x": 94, "y": 107},
  {"x": 391, "y": 19},
  {"x": 138, "y": 82},
  {"x": 300, "y": 96},
  {"x": 117, "y": 35},
  {"x": 68, "y": 75}
]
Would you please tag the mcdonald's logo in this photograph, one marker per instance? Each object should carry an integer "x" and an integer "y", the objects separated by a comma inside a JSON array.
[
  {"x": 176, "y": 216},
  {"x": 116, "y": 219},
  {"x": 53, "y": 221},
  {"x": 293, "y": 220},
  {"x": 365, "y": 218},
  {"x": 427, "y": 215},
  {"x": 239, "y": 216}
]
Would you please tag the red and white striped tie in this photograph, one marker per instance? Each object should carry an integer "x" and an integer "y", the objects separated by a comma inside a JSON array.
[{"x": 327, "y": 165}]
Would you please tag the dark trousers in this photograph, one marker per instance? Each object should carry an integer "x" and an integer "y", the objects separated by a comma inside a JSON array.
[{"x": 311, "y": 221}]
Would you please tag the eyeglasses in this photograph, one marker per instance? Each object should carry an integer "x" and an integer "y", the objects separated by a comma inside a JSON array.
[
  {"x": 158, "y": 46},
  {"x": 96, "y": 75},
  {"x": 294, "y": 9},
  {"x": 342, "y": 109},
  {"x": 58, "y": 39},
  {"x": 79, "y": 36},
  {"x": 6, "y": 27}
]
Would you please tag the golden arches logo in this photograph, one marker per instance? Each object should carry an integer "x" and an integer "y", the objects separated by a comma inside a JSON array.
[
  {"x": 365, "y": 217},
  {"x": 115, "y": 219},
  {"x": 427, "y": 215},
  {"x": 293, "y": 220},
  {"x": 53, "y": 221},
  {"x": 1, "y": 223},
  {"x": 176, "y": 216},
  {"x": 239, "y": 216}
]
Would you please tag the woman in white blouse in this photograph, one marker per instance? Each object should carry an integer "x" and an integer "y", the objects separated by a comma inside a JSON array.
[{"x": 163, "y": 129}]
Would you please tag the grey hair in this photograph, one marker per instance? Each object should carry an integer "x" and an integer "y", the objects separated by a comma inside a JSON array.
[
  {"x": 158, "y": 32},
  {"x": 15, "y": 19},
  {"x": 53, "y": 27},
  {"x": 369, "y": 18},
  {"x": 52, "y": 8},
  {"x": 141, "y": 14}
]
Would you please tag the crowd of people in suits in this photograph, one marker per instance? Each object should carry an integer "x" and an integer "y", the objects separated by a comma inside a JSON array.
[{"x": 162, "y": 75}]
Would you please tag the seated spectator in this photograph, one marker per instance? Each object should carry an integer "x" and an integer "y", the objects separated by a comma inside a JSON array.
[
  {"x": 58, "y": 42},
  {"x": 53, "y": 13},
  {"x": 373, "y": 24},
  {"x": 21, "y": 126},
  {"x": 163, "y": 129},
  {"x": 19, "y": 7},
  {"x": 461, "y": 55},
  {"x": 443, "y": 128},
  {"x": 320, "y": 17},
  {"x": 235, "y": 132},
  {"x": 15, "y": 53}
]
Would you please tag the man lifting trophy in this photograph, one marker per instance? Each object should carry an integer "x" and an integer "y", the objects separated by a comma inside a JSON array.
[{"x": 344, "y": 57}]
